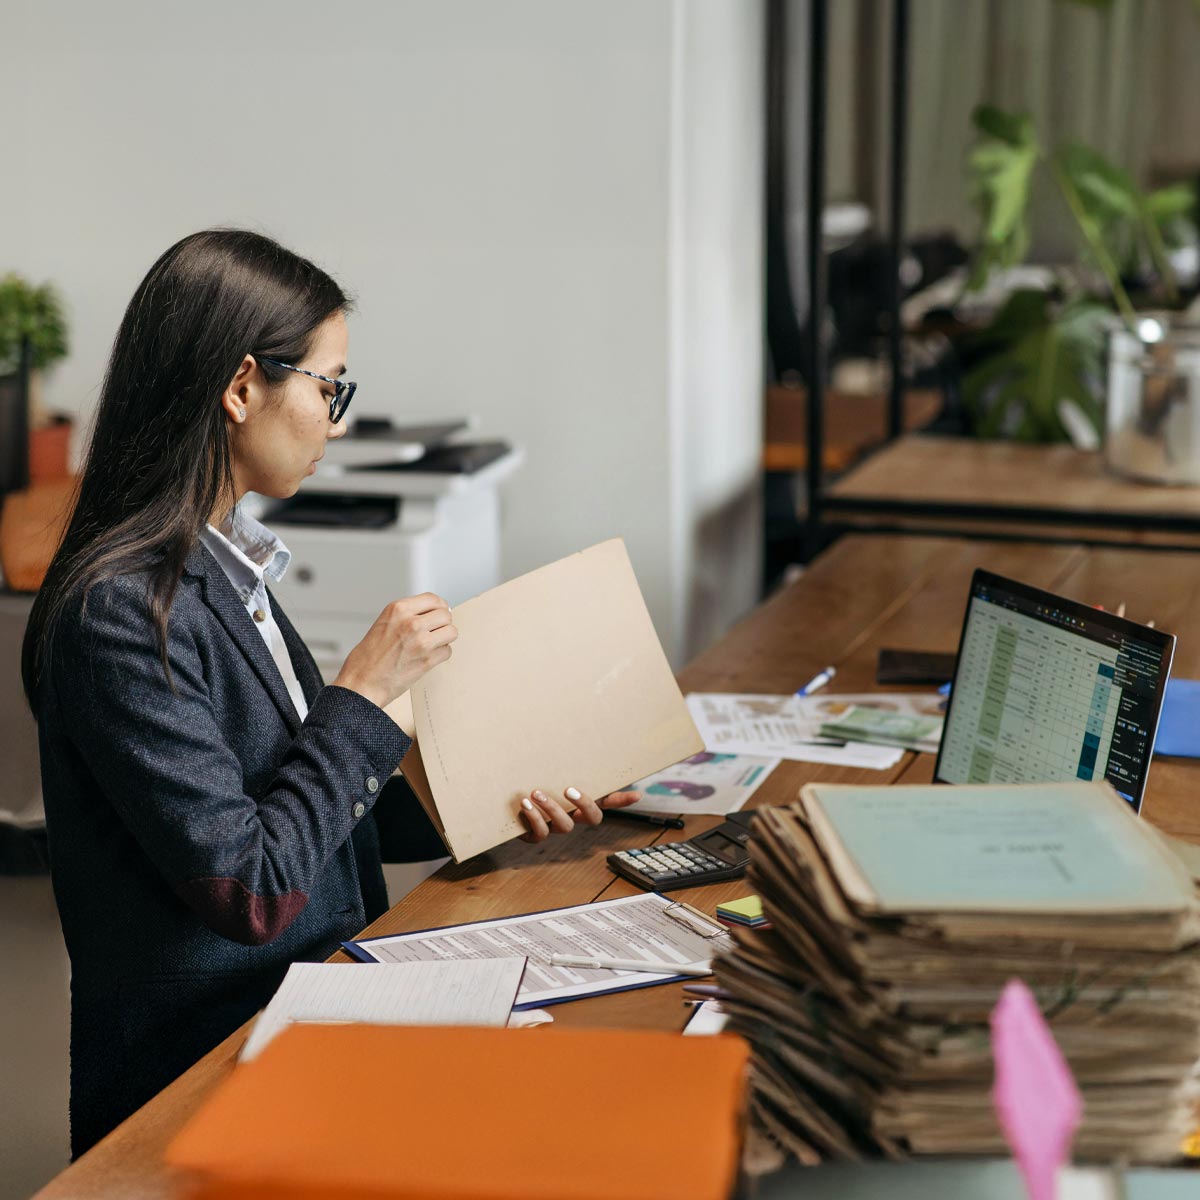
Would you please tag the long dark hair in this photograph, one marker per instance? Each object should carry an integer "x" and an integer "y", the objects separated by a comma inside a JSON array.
[{"x": 160, "y": 456}]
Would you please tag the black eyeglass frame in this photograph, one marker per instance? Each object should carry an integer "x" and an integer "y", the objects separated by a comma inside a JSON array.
[{"x": 343, "y": 389}]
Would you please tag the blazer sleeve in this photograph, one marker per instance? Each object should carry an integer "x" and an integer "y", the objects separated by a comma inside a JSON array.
[{"x": 246, "y": 864}]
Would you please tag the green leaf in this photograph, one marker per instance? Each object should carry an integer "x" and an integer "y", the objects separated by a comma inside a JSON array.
[
  {"x": 992, "y": 122},
  {"x": 1171, "y": 211},
  {"x": 1108, "y": 193},
  {"x": 30, "y": 312},
  {"x": 1000, "y": 169},
  {"x": 1042, "y": 354},
  {"x": 1178, "y": 200}
]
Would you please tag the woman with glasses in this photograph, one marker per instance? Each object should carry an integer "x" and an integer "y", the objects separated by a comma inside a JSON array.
[{"x": 214, "y": 810}]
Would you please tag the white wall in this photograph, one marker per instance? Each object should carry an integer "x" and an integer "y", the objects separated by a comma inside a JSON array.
[
  {"x": 549, "y": 211},
  {"x": 715, "y": 234}
]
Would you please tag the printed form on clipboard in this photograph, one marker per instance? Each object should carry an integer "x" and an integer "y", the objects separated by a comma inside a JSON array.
[{"x": 648, "y": 926}]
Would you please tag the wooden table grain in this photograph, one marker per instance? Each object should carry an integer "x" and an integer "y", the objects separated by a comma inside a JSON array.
[
  {"x": 966, "y": 485},
  {"x": 863, "y": 593}
]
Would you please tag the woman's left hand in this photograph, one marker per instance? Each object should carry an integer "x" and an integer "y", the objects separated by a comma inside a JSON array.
[{"x": 545, "y": 815}]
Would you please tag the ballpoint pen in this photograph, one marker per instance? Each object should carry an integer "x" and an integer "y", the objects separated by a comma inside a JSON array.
[
  {"x": 817, "y": 682},
  {"x": 588, "y": 962},
  {"x": 646, "y": 818},
  {"x": 709, "y": 990}
]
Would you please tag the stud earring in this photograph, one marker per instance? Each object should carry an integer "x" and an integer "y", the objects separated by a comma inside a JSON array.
[{"x": 241, "y": 414}]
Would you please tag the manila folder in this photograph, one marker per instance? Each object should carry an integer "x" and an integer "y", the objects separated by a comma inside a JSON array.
[{"x": 557, "y": 680}]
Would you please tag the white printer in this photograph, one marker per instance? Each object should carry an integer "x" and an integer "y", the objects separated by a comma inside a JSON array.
[{"x": 390, "y": 512}]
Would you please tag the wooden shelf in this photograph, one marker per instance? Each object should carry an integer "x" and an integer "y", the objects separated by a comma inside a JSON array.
[
  {"x": 854, "y": 424},
  {"x": 927, "y": 483}
]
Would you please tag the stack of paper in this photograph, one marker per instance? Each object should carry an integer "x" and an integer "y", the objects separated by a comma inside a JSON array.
[
  {"x": 863, "y": 724},
  {"x": 900, "y": 913},
  {"x": 778, "y": 727}
]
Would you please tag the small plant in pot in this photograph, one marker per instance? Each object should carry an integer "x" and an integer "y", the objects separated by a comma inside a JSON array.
[
  {"x": 1038, "y": 372},
  {"x": 35, "y": 313}
]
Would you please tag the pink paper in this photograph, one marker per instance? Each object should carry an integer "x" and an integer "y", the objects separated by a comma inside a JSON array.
[{"x": 1037, "y": 1102}]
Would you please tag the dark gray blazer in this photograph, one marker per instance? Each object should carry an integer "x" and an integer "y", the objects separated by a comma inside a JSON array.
[{"x": 201, "y": 838}]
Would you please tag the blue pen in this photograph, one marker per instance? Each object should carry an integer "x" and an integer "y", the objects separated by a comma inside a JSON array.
[{"x": 817, "y": 682}]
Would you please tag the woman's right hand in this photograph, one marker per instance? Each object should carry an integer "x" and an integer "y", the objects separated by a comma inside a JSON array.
[{"x": 410, "y": 637}]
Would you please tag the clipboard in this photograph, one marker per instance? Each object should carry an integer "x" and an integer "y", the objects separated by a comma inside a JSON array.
[{"x": 672, "y": 926}]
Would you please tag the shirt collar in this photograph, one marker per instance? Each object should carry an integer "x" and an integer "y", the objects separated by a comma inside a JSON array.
[{"x": 247, "y": 550}]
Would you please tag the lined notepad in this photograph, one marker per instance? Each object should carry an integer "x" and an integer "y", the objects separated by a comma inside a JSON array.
[{"x": 464, "y": 992}]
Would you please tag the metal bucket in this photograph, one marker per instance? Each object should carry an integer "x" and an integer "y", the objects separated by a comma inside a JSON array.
[{"x": 1152, "y": 423}]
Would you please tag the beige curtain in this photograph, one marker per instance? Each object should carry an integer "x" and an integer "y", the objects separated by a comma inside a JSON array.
[{"x": 1124, "y": 78}]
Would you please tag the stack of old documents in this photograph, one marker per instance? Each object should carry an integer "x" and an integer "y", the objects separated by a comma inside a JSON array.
[{"x": 900, "y": 913}]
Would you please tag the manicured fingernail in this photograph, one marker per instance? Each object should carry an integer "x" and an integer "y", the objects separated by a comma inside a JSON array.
[
  {"x": 540, "y": 796},
  {"x": 572, "y": 793},
  {"x": 526, "y": 803}
]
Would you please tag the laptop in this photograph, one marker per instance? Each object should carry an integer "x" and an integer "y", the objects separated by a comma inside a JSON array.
[{"x": 1046, "y": 689}]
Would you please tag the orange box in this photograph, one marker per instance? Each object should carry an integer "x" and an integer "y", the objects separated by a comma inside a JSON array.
[{"x": 366, "y": 1112}]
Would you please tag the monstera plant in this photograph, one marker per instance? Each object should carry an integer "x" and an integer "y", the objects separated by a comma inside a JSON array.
[{"x": 1036, "y": 372}]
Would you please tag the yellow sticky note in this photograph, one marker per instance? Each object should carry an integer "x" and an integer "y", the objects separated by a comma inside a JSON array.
[{"x": 749, "y": 907}]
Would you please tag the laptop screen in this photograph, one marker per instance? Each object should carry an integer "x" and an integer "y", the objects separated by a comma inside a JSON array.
[{"x": 1047, "y": 689}]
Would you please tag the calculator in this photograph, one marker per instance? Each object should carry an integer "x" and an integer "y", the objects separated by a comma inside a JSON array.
[{"x": 707, "y": 858}]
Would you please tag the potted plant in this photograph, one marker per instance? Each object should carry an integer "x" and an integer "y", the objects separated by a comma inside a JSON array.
[
  {"x": 1037, "y": 371},
  {"x": 36, "y": 314}
]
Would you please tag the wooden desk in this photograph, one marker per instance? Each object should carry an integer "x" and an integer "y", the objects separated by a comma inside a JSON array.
[
  {"x": 864, "y": 593},
  {"x": 945, "y": 484},
  {"x": 32, "y": 523}
]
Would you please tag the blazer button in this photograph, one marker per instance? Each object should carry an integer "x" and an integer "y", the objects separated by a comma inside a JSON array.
[
  {"x": 359, "y": 810},
  {"x": 372, "y": 784}
]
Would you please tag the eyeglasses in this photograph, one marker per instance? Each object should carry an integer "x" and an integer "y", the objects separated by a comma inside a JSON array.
[{"x": 343, "y": 391}]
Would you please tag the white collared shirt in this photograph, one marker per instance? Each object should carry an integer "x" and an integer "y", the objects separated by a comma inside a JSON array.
[{"x": 249, "y": 553}]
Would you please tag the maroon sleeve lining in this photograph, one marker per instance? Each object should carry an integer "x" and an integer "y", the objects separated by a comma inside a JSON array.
[{"x": 232, "y": 910}]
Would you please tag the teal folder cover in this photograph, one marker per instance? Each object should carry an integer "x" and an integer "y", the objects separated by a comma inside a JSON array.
[{"x": 1061, "y": 847}]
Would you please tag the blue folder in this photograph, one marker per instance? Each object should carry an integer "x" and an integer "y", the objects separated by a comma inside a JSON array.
[{"x": 1179, "y": 724}]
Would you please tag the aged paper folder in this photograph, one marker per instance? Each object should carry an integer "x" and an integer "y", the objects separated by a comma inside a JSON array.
[{"x": 557, "y": 680}]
